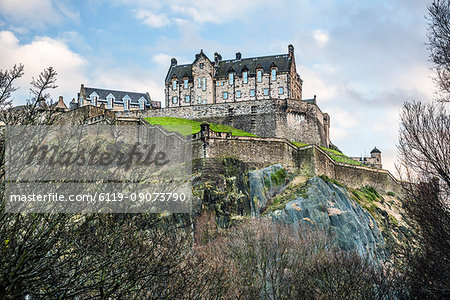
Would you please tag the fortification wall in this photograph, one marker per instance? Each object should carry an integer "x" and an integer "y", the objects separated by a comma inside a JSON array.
[
  {"x": 309, "y": 161},
  {"x": 295, "y": 120},
  {"x": 355, "y": 176}
]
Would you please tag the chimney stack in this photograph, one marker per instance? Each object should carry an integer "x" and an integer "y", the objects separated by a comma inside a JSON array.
[
  {"x": 291, "y": 50},
  {"x": 217, "y": 58},
  {"x": 173, "y": 62},
  {"x": 238, "y": 55}
]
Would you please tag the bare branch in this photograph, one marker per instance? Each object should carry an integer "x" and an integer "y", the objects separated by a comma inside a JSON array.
[{"x": 7, "y": 78}]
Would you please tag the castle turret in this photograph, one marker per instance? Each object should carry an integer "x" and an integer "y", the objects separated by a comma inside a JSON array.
[{"x": 376, "y": 155}]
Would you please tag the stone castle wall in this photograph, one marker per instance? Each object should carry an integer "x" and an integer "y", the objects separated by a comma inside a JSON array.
[
  {"x": 308, "y": 161},
  {"x": 299, "y": 121}
]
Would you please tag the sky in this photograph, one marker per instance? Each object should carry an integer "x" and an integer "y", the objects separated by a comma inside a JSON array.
[{"x": 362, "y": 59}]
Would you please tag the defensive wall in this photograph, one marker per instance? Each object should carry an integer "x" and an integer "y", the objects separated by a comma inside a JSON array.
[
  {"x": 311, "y": 160},
  {"x": 295, "y": 120}
]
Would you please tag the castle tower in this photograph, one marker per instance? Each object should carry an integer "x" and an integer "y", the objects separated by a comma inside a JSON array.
[{"x": 376, "y": 155}]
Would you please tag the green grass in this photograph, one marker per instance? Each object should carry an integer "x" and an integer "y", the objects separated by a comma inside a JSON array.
[
  {"x": 298, "y": 144},
  {"x": 188, "y": 127},
  {"x": 340, "y": 157}
]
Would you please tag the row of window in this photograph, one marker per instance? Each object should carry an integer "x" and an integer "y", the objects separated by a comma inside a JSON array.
[
  {"x": 187, "y": 98},
  {"x": 110, "y": 103},
  {"x": 252, "y": 93},
  {"x": 202, "y": 81}
]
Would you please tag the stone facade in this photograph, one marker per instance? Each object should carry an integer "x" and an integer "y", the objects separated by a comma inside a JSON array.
[{"x": 226, "y": 81}]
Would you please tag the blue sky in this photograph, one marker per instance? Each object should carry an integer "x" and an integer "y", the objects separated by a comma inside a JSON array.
[{"x": 361, "y": 58}]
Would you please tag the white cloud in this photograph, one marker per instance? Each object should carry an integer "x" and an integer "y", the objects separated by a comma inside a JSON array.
[
  {"x": 321, "y": 37},
  {"x": 152, "y": 19},
  {"x": 39, "y": 54},
  {"x": 314, "y": 84},
  {"x": 162, "y": 60},
  {"x": 30, "y": 12}
]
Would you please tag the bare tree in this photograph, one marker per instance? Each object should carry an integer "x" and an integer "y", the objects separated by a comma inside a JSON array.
[
  {"x": 439, "y": 44},
  {"x": 424, "y": 145},
  {"x": 7, "y": 78}
]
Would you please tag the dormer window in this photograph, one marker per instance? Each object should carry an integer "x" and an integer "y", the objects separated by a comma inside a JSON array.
[
  {"x": 141, "y": 103},
  {"x": 245, "y": 77},
  {"x": 186, "y": 83},
  {"x": 231, "y": 78},
  {"x": 259, "y": 75},
  {"x": 274, "y": 74},
  {"x": 174, "y": 85},
  {"x": 110, "y": 101}
]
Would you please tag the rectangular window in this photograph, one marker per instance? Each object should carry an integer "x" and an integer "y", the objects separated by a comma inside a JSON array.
[
  {"x": 141, "y": 105},
  {"x": 174, "y": 99},
  {"x": 187, "y": 99},
  {"x": 204, "y": 101},
  {"x": 266, "y": 92},
  {"x": 186, "y": 83},
  {"x": 204, "y": 84},
  {"x": 225, "y": 95},
  {"x": 238, "y": 94},
  {"x": 231, "y": 77},
  {"x": 174, "y": 85},
  {"x": 259, "y": 75},
  {"x": 280, "y": 90},
  {"x": 245, "y": 77},
  {"x": 252, "y": 93},
  {"x": 126, "y": 105},
  {"x": 201, "y": 65},
  {"x": 199, "y": 82},
  {"x": 274, "y": 74},
  {"x": 110, "y": 103},
  {"x": 199, "y": 100}
]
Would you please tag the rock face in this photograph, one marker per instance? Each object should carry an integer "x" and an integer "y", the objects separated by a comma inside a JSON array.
[
  {"x": 264, "y": 184},
  {"x": 331, "y": 208},
  {"x": 230, "y": 189}
]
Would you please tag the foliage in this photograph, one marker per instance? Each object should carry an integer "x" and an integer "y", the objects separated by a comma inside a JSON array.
[{"x": 279, "y": 177}]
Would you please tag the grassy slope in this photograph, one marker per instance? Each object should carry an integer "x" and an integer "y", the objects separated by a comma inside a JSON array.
[{"x": 187, "y": 127}]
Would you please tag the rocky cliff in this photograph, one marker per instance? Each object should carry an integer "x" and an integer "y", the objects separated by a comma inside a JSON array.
[{"x": 361, "y": 220}]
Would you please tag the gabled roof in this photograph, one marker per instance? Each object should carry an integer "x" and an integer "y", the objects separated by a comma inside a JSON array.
[
  {"x": 282, "y": 62},
  {"x": 102, "y": 94}
]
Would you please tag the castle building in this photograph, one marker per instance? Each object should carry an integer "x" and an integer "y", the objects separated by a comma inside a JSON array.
[
  {"x": 235, "y": 80},
  {"x": 374, "y": 160},
  {"x": 115, "y": 100}
]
